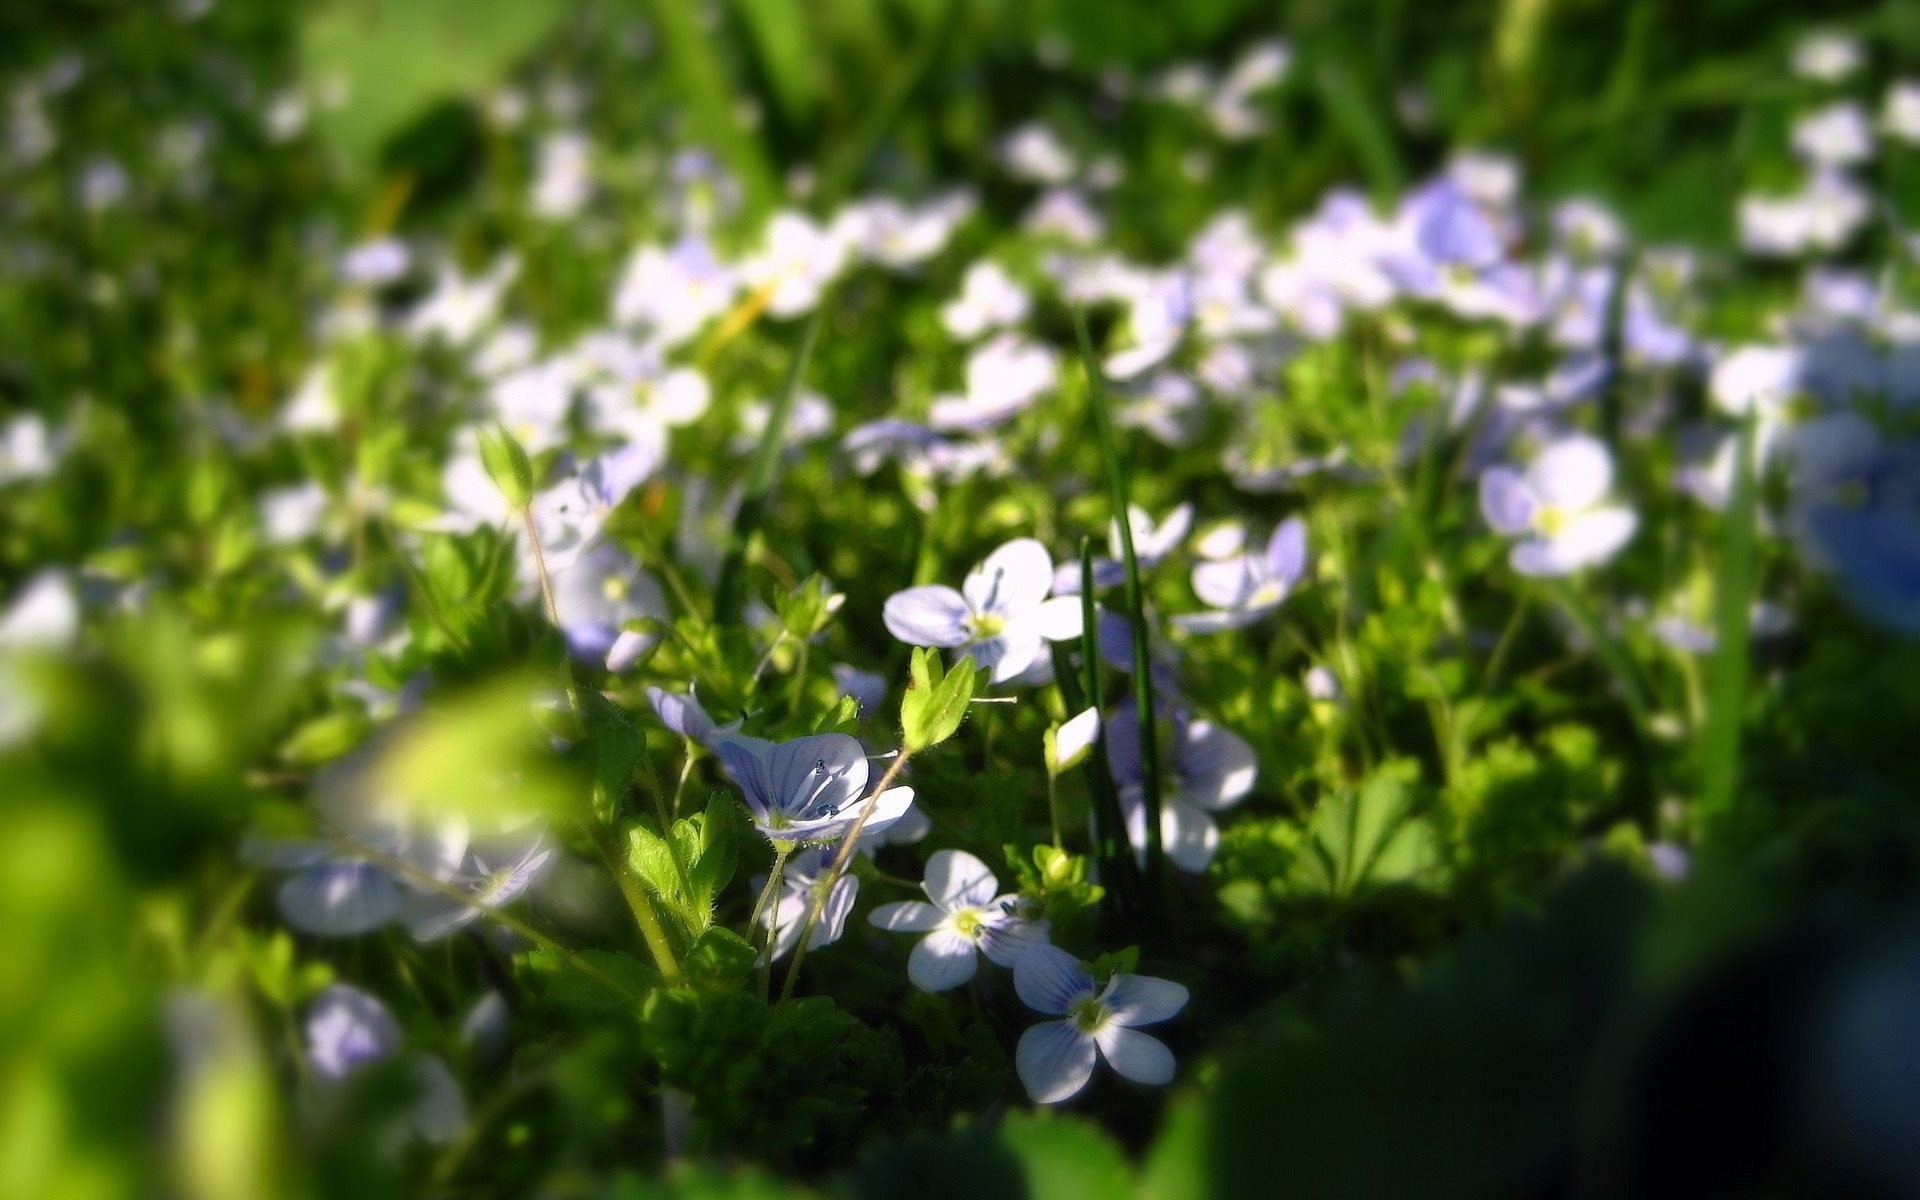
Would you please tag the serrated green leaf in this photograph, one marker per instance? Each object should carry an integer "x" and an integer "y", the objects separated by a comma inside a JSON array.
[{"x": 936, "y": 702}]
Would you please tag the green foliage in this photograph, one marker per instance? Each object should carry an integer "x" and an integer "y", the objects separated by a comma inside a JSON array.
[
  {"x": 1368, "y": 838},
  {"x": 393, "y": 61},
  {"x": 936, "y": 699},
  {"x": 507, "y": 465},
  {"x": 689, "y": 874},
  {"x": 768, "y": 1080}
]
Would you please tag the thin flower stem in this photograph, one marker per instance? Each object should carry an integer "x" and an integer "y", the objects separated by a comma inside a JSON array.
[
  {"x": 651, "y": 931},
  {"x": 686, "y": 773},
  {"x": 1507, "y": 637},
  {"x": 1053, "y": 807},
  {"x": 824, "y": 888},
  {"x": 540, "y": 565},
  {"x": 1136, "y": 605},
  {"x": 780, "y": 853}
]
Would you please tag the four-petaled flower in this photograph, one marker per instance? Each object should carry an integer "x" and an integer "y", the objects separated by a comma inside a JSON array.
[
  {"x": 1055, "y": 1058},
  {"x": 1247, "y": 587},
  {"x": 1001, "y": 615},
  {"x": 810, "y": 789},
  {"x": 966, "y": 917},
  {"x": 1555, "y": 508}
]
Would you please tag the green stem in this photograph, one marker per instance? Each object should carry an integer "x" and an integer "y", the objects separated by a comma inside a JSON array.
[
  {"x": 824, "y": 888},
  {"x": 760, "y": 477},
  {"x": 1114, "y": 851},
  {"x": 1136, "y": 605},
  {"x": 767, "y": 893}
]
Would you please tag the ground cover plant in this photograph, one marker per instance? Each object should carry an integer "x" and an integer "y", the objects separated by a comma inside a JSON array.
[{"x": 926, "y": 597}]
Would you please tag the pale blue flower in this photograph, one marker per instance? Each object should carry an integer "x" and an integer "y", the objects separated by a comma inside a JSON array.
[
  {"x": 811, "y": 789},
  {"x": 1211, "y": 769},
  {"x": 967, "y": 917},
  {"x": 1248, "y": 587},
  {"x": 348, "y": 1030},
  {"x": 494, "y": 874},
  {"x": 596, "y": 595},
  {"x": 1055, "y": 1058},
  {"x": 787, "y": 916},
  {"x": 1001, "y": 615},
  {"x": 1152, "y": 544},
  {"x": 1555, "y": 508}
]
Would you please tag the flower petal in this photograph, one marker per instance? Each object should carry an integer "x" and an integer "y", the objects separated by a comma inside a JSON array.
[
  {"x": 1049, "y": 979},
  {"x": 1058, "y": 619},
  {"x": 1224, "y": 584},
  {"x": 1217, "y": 766},
  {"x": 1287, "y": 552},
  {"x": 1055, "y": 1061},
  {"x": 1506, "y": 501},
  {"x": 339, "y": 899},
  {"x": 1135, "y": 1055},
  {"x": 1574, "y": 472},
  {"x": 906, "y": 916},
  {"x": 1013, "y": 579},
  {"x": 927, "y": 616},
  {"x": 956, "y": 879},
  {"x": 942, "y": 960},
  {"x": 1143, "y": 999},
  {"x": 1189, "y": 835}
]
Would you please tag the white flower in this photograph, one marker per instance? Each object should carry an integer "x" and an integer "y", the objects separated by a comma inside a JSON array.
[
  {"x": 1555, "y": 508},
  {"x": 1001, "y": 615},
  {"x": 1829, "y": 57},
  {"x": 674, "y": 292},
  {"x": 562, "y": 177},
  {"x": 989, "y": 299},
  {"x": 1036, "y": 154},
  {"x": 1838, "y": 135},
  {"x": 798, "y": 260},
  {"x": 1004, "y": 377},
  {"x": 1055, "y": 1058},
  {"x": 1900, "y": 114},
  {"x": 966, "y": 918}
]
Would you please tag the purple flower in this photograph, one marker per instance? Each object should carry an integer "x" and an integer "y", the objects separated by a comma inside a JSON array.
[
  {"x": 966, "y": 918},
  {"x": 810, "y": 789},
  {"x": 1000, "y": 616},
  {"x": 494, "y": 876},
  {"x": 348, "y": 1029},
  {"x": 1213, "y": 769},
  {"x": 1055, "y": 1058},
  {"x": 1555, "y": 508},
  {"x": 787, "y": 916},
  {"x": 1248, "y": 587}
]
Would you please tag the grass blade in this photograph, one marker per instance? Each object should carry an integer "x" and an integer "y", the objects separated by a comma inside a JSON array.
[
  {"x": 1136, "y": 603},
  {"x": 760, "y": 478},
  {"x": 1727, "y": 685},
  {"x": 1118, "y": 871}
]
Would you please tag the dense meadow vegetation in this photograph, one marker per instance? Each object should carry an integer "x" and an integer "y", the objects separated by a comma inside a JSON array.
[{"x": 948, "y": 597}]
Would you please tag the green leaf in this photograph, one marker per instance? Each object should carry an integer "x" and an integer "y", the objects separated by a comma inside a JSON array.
[
  {"x": 1370, "y": 838},
  {"x": 936, "y": 702},
  {"x": 1066, "y": 1158},
  {"x": 779, "y": 30},
  {"x": 394, "y": 59},
  {"x": 721, "y": 958},
  {"x": 1726, "y": 697},
  {"x": 507, "y": 464}
]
